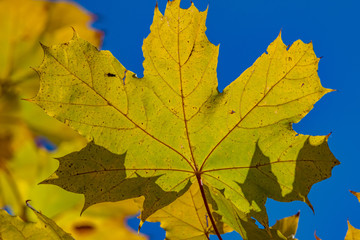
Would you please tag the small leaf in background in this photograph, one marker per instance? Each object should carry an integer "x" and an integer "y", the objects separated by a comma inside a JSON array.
[
  {"x": 15, "y": 228},
  {"x": 101, "y": 221},
  {"x": 288, "y": 226},
  {"x": 23, "y": 24}
]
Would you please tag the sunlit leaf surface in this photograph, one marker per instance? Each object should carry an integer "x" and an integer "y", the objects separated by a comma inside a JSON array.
[{"x": 158, "y": 135}]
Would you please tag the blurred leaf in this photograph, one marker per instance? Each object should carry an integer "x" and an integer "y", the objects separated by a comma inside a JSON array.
[
  {"x": 12, "y": 228},
  {"x": 23, "y": 24},
  {"x": 19, "y": 180},
  {"x": 101, "y": 221}
]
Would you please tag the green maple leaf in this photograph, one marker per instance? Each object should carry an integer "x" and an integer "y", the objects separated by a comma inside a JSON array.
[{"x": 157, "y": 135}]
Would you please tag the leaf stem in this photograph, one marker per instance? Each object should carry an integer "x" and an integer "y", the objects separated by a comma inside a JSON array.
[
  {"x": 198, "y": 177},
  {"x": 207, "y": 236}
]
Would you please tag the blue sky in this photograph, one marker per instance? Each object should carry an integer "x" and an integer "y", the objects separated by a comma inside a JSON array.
[{"x": 244, "y": 29}]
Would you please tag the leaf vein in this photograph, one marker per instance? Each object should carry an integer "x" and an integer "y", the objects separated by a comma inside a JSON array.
[
  {"x": 231, "y": 130},
  {"x": 118, "y": 110}
]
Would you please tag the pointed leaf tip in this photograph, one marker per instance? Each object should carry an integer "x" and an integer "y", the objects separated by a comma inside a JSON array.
[
  {"x": 31, "y": 207},
  {"x": 356, "y": 194},
  {"x": 44, "y": 47},
  {"x": 75, "y": 34},
  {"x": 86, "y": 206},
  {"x": 327, "y": 136},
  {"x": 140, "y": 225},
  {"x": 175, "y": 1},
  {"x": 307, "y": 201}
]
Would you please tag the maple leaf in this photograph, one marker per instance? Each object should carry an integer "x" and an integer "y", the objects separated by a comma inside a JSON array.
[
  {"x": 157, "y": 135},
  {"x": 15, "y": 228},
  {"x": 288, "y": 226}
]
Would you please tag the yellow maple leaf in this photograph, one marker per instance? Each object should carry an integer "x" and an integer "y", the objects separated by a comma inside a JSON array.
[{"x": 172, "y": 128}]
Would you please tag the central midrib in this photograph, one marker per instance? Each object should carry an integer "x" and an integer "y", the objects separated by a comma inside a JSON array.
[{"x": 182, "y": 96}]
